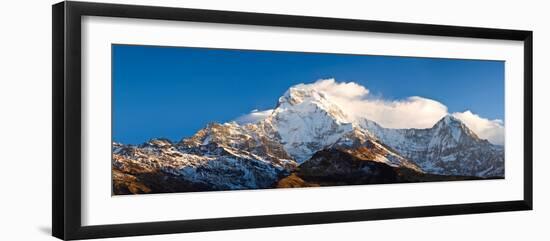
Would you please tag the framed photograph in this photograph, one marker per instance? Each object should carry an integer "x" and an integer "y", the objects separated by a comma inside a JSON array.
[{"x": 169, "y": 120}]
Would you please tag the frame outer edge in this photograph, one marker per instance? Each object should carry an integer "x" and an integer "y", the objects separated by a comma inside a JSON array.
[
  {"x": 528, "y": 120},
  {"x": 58, "y": 79},
  {"x": 73, "y": 120}
]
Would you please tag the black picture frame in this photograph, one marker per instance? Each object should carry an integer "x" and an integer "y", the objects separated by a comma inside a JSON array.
[{"x": 67, "y": 136}]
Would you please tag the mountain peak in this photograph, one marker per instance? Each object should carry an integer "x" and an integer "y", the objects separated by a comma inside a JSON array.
[
  {"x": 305, "y": 99},
  {"x": 299, "y": 93},
  {"x": 449, "y": 119},
  {"x": 455, "y": 127}
]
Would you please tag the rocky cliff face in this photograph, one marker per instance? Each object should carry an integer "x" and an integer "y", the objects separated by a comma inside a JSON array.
[{"x": 337, "y": 166}]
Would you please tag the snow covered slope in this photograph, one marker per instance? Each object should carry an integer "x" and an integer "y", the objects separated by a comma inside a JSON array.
[
  {"x": 307, "y": 122},
  {"x": 449, "y": 147},
  {"x": 216, "y": 163}
]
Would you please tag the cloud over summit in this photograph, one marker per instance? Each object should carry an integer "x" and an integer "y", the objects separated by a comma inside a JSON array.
[
  {"x": 492, "y": 130},
  {"x": 411, "y": 112}
]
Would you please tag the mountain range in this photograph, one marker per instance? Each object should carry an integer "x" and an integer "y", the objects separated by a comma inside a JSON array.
[{"x": 305, "y": 141}]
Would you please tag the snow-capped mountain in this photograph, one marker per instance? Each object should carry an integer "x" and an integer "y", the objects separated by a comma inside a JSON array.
[
  {"x": 306, "y": 137},
  {"x": 203, "y": 162},
  {"x": 306, "y": 122},
  {"x": 448, "y": 148}
]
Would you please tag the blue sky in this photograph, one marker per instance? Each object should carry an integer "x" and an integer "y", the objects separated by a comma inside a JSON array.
[{"x": 172, "y": 92}]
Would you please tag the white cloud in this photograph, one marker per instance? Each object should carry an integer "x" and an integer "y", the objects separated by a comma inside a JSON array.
[
  {"x": 353, "y": 99},
  {"x": 492, "y": 130},
  {"x": 349, "y": 90},
  {"x": 412, "y": 112},
  {"x": 254, "y": 116}
]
